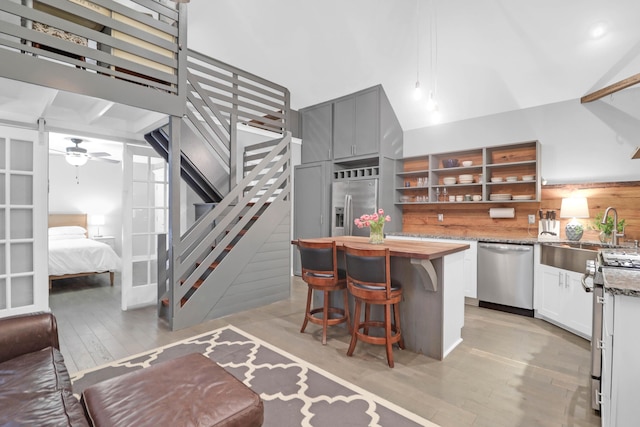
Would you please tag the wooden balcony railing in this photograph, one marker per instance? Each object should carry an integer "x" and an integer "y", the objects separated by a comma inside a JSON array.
[{"x": 128, "y": 52}]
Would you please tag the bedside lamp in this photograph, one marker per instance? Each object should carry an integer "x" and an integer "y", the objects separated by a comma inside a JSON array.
[
  {"x": 574, "y": 207},
  {"x": 98, "y": 220}
]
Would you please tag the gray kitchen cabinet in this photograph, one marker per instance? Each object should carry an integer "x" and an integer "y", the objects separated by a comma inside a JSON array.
[
  {"x": 317, "y": 133},
  {"x": 356, "y": 125},
  {"x": 311, "y": 204},
  {"x": 344, "y": 127}
]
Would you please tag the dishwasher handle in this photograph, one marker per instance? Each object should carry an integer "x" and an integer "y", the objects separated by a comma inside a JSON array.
[{"x": 505, "y": 248}]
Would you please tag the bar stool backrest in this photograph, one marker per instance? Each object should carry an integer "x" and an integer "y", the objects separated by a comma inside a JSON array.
[
  {"x": 318, "y": 262},
  {"x": 368, "y": 269}
]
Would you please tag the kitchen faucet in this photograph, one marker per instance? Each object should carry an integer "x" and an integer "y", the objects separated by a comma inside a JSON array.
[{"x": 615, "y": 234}]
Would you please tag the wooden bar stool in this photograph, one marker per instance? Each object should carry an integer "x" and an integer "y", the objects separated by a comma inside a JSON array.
[
  {"x": 369, "y": 281},
  {"x": 320, "y": 272}
]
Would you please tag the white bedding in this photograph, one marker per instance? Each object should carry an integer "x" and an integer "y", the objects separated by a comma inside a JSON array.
[{"x": 72, "y": 256}]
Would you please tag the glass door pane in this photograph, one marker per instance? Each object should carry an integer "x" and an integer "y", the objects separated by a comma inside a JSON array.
[
  {"x": 146, "y": 187},
  {"x": 23, "y": 207}
]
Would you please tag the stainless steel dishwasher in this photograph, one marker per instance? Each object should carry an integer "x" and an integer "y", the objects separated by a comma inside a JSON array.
[{"x": 505, "y": 277}]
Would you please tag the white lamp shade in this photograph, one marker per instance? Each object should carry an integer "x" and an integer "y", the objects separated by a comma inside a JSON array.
[
  {"x": 574, "y": 207},
  {"x": 76, "y": 159},
  {"x": 97, "y": 219}
]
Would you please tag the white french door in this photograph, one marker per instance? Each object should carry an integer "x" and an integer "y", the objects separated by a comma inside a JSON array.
[
  {"x": 145, "y": 208},
  {"x": 23, "y": 221}
]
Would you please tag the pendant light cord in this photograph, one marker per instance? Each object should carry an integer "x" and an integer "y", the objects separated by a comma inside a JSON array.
[
  {"x": 417, "y": 42},
  {"x": 434, "y": 47}
]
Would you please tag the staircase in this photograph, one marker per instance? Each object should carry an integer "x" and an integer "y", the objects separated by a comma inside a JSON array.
[{"x": 236, "y": 255}]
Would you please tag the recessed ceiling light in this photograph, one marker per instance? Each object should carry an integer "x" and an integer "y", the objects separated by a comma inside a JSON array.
[{"x": 598, "y": 30}]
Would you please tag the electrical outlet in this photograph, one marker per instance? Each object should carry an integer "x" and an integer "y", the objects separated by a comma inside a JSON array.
[
  {"x": 532, "y": 219},
  {"x": 440, "y": 217}
]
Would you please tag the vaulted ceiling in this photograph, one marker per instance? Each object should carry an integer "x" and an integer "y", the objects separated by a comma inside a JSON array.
[{"x": 486, "y": 56}]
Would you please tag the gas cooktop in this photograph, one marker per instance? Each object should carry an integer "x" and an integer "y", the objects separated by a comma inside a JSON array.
[{"x": 620, "y": 258}]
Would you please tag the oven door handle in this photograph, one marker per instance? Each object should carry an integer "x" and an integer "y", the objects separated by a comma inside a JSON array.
[{"x": 583, "y": 280}]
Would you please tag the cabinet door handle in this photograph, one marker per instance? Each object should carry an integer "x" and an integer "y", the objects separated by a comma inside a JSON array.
[
  {"x": 560, "y": 279},
  {"x": 567, "y": 280}
]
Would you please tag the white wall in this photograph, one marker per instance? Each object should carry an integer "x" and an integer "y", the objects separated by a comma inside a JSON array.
[
  {"x": 580, "y": 142},
  {"x": 98, "y": 190}
]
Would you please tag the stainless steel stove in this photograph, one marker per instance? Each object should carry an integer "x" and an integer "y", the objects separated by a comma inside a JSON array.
[
  {"x": 620, "y": 258},
  {"x": 607, "y": 258}
]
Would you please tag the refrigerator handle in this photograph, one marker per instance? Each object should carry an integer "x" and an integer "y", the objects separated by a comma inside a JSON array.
[{"x": 348, "y": 208}]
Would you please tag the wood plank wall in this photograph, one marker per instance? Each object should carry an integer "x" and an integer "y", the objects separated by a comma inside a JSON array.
[{"x": 472, "y": 220}]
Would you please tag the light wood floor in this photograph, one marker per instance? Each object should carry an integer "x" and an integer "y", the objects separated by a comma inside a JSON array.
[{"x": 509, "y": 370}]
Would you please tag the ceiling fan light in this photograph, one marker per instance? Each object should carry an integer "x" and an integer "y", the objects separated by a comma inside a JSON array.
[{"x": 76, "y": 160}]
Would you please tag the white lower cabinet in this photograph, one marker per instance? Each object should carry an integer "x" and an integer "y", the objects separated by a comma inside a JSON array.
[
  {"x": 620, "y": 367},
  {"x": 562, "y": 300}
]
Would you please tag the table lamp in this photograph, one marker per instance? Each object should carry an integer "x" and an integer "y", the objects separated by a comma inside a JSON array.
[
  {"x": 574, "y": 207},
  {"x": 98, "y": 220}
]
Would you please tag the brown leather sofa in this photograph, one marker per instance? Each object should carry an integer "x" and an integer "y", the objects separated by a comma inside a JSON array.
[{"x": 35, "y": 388}]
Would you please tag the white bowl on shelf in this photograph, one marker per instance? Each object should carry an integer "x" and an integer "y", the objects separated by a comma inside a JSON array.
[
  {"x": 467, "y": 163},
  {"x": 449, "y": 180},
  {"x": 528, "y": 177},
  {"x": 512, "y": 178},
  {"x": 477, "y": 197},
  {"x": 465, "y": 177},
  {"x": 496, "y": 179}
]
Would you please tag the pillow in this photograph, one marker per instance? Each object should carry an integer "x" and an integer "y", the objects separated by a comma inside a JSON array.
[
  {"x": 66, "y": 236},
  {"x": 68, "y": 230}
]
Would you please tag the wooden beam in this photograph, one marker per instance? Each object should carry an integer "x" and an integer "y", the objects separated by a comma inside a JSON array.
[{"x": 622, "y": 84}]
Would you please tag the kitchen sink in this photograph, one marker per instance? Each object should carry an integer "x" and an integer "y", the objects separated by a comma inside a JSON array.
[{"x": 568, "y": 257}]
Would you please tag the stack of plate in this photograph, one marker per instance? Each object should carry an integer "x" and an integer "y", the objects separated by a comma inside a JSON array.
[
  {"x": 496, "y": 179},
  {"x": 465, "y": 179},
  {"x": 523, "y": 197},
  {"x": 498, "y": 197},
  {"x": 512, "y": 178}
]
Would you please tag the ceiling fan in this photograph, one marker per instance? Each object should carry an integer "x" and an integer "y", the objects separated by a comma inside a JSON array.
[{"x": 78, "y": 156}]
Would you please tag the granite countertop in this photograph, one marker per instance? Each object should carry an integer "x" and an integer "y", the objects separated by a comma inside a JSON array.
[
  {"x": 514, "y": 240},
  {"x": 621, "y": 281},
  {"x": 618, "y": 281}
]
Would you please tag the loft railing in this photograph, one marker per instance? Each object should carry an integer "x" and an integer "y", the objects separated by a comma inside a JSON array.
[{"x": 125, "y": 51}]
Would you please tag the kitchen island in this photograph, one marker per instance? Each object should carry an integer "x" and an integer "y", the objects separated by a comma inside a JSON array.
[{"x": 432, "y": 310}]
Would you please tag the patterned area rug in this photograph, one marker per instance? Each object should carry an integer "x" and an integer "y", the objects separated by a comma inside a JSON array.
[{"x": 295, "y": 393}]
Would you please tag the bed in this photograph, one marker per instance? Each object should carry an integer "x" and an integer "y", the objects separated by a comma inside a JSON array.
[{"x": 72, "y": 254}]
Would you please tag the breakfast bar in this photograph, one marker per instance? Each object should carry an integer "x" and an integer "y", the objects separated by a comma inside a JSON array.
[{"x": 432, "y": 311}]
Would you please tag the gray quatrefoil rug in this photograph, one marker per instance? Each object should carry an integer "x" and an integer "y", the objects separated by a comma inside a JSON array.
[{"x": 295, "y": 393}]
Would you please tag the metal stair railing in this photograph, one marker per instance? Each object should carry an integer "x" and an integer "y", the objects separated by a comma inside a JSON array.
[
  {"x": 201, "y": 246},
  {"x": 220, "y": 96},
  {"x": 216, "y": 215}
]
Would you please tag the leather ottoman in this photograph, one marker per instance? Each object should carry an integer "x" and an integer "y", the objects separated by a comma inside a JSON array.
[{"x": 188, "y": 391}]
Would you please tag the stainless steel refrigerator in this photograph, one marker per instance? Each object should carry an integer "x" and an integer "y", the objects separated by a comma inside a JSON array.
[{"x": 350, "y": 200}]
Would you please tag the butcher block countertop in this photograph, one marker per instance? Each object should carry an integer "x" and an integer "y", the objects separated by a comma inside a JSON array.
[{"x": 398, "y": 248}]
